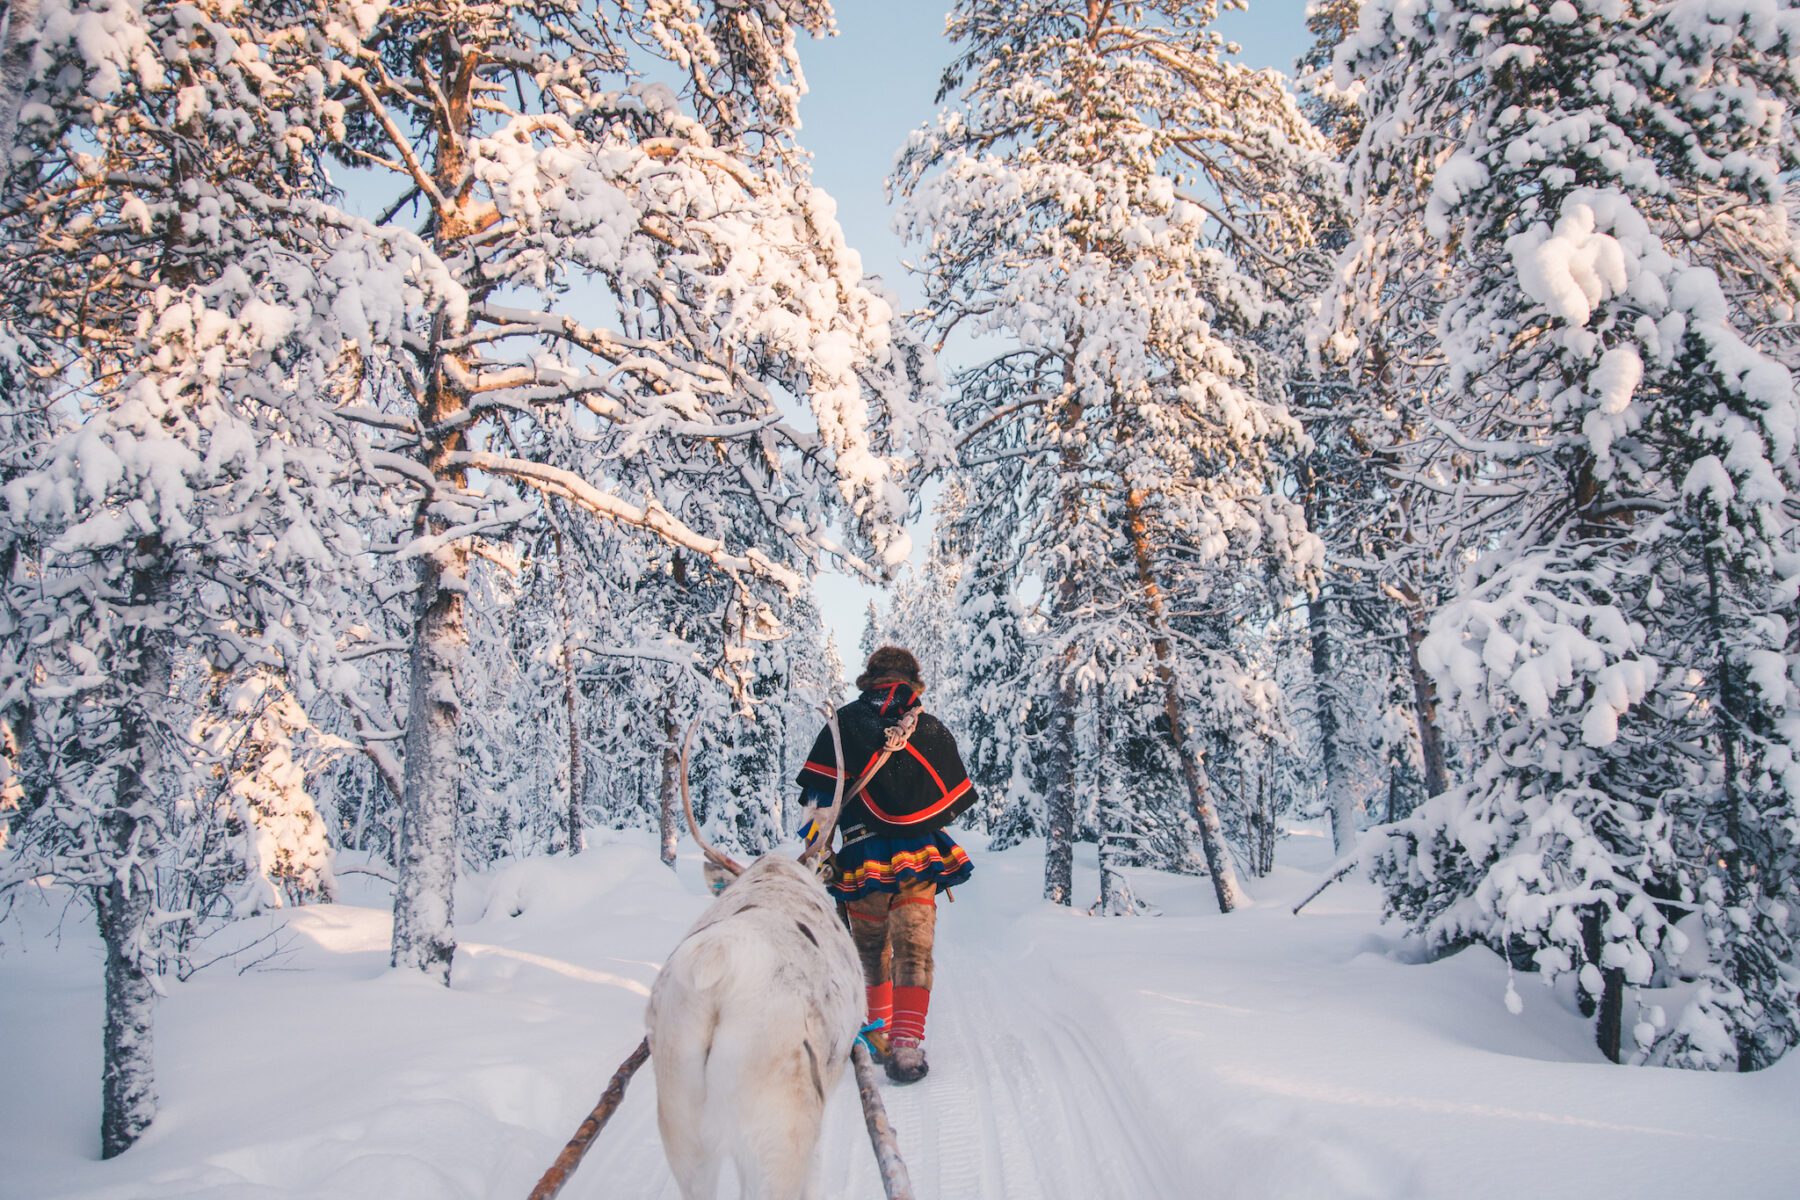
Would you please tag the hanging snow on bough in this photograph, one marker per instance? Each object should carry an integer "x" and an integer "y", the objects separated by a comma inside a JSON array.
[{"x": 751, "y": 1023}]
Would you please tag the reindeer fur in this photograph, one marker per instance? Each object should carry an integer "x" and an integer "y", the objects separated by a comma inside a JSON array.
[{"x": 751, "y": 1023}]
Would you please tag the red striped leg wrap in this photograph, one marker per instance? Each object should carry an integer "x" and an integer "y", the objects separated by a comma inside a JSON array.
[
  {"x": 910, "y": 1004},
  {"x": 881, "y": 1005}
]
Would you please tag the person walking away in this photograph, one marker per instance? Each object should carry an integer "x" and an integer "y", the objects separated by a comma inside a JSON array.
[{"x": 895, "y": 856}]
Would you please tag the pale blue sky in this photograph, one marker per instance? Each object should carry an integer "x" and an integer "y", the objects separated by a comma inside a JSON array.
[{"x": 869, "y": 87}]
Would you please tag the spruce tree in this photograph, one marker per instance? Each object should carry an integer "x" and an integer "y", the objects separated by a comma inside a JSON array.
[
  {"x": 541, "y": 164},
  {"x": 1597, "y": 196}
]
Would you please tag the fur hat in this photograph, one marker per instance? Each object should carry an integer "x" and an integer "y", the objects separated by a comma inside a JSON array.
[{"x": 891, "y": 664}]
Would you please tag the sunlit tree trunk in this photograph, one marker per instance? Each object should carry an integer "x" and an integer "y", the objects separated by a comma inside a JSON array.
[{"x": 1212, "y": 837}]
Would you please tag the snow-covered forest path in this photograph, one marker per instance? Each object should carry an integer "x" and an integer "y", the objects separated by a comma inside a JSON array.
[
  {"x": 1024, "y": 1098},
  {"x": 1241, "y": 1058},
  {"x": 1028, "y": 1101}
]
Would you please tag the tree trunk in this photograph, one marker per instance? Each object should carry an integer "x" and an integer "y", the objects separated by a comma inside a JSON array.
[
  {"x": 1116, "y": 832},
  {"x": 1609, "y": 1010},
  {"x": 1731, "y": 718},
  {"x": 122, "y": 904},
  {"x": 671, "y": 784},
  {"x": 1059, "y": 804},
  {"x": 1265, "y": 824},
  {"x": 1116, "y": 896},
  {"x": 1212, "y": 838},
  {"x": 1343, "y": 809},
  {"x": 1318, "y": 619},
  {"x": 571, "y": 693},
  {"x": 1431, "y": 745},
  {"x": 424, "y": 936},
  {"x": 128, "y": 1067}
]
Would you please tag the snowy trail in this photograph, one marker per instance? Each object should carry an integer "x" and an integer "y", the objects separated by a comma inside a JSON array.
[
  {"x": 1073, "y": 1058},
  {"x": 1022, "y": 1102}
]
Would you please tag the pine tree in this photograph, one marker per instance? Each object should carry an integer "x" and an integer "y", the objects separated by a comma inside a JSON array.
[
  {"x": 1094, "y": 200},
  {"x": 256, "y": 740},
  {"x": 184, "y": 510},
  {"x": 831, "y": 683},
  {"x": 871, "y": 631}
]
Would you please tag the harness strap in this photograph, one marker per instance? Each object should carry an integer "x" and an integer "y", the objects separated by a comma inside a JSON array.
[{"x": 894, "y": 738}]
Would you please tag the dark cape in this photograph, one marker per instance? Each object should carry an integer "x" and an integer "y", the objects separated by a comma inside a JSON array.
[{"x": 920, "y": 789}]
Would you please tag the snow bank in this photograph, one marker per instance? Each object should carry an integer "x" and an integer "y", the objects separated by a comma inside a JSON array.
[{"x": 1255, "y": 1055}]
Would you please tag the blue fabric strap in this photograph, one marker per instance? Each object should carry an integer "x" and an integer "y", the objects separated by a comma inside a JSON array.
[{"x": 862, "y": 1035}]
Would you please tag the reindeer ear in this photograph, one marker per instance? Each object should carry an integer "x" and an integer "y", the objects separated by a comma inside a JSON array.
[{"x": 716, "y": 876}]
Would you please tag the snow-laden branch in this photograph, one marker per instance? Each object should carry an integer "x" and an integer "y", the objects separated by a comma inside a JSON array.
[{"x": 653, "y": 517}]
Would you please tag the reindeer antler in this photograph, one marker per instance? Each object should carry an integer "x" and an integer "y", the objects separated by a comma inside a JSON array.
[
  {"x": 713, "y": 855},
  {"x": 894, "y": 739},
  {"x": 829, "y": 818}
]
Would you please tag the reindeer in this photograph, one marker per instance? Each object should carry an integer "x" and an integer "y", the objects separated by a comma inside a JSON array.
[{"x": 754, "y": 1016}]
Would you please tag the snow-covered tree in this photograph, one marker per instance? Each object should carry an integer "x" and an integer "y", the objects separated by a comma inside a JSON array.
[
  {"x": 1112, "y": 199},
  {"x": 871, "y": 631},
  {"x": 1592, "y": 200},
  {"x": 546, "y": 166},
  {"x": 1369, "y": 707},
  {"x": 966, "y": 613},
  {"x": 257, "y": 412},
  {"x": 831, "y": 682},
  {"x": 1333, "y": 108},
  {"x": 260, "y": 746},
  {"x": 182, "y": 506}
]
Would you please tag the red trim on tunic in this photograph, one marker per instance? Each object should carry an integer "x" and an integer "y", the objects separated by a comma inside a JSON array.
[
  {"x": 865, "y": 791},
  {"x": 924, "y": 814},
  {"x": 935, "y": 777}
]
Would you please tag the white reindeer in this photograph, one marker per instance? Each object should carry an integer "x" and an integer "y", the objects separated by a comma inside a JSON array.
[{"x": 752, "y": 1021}]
